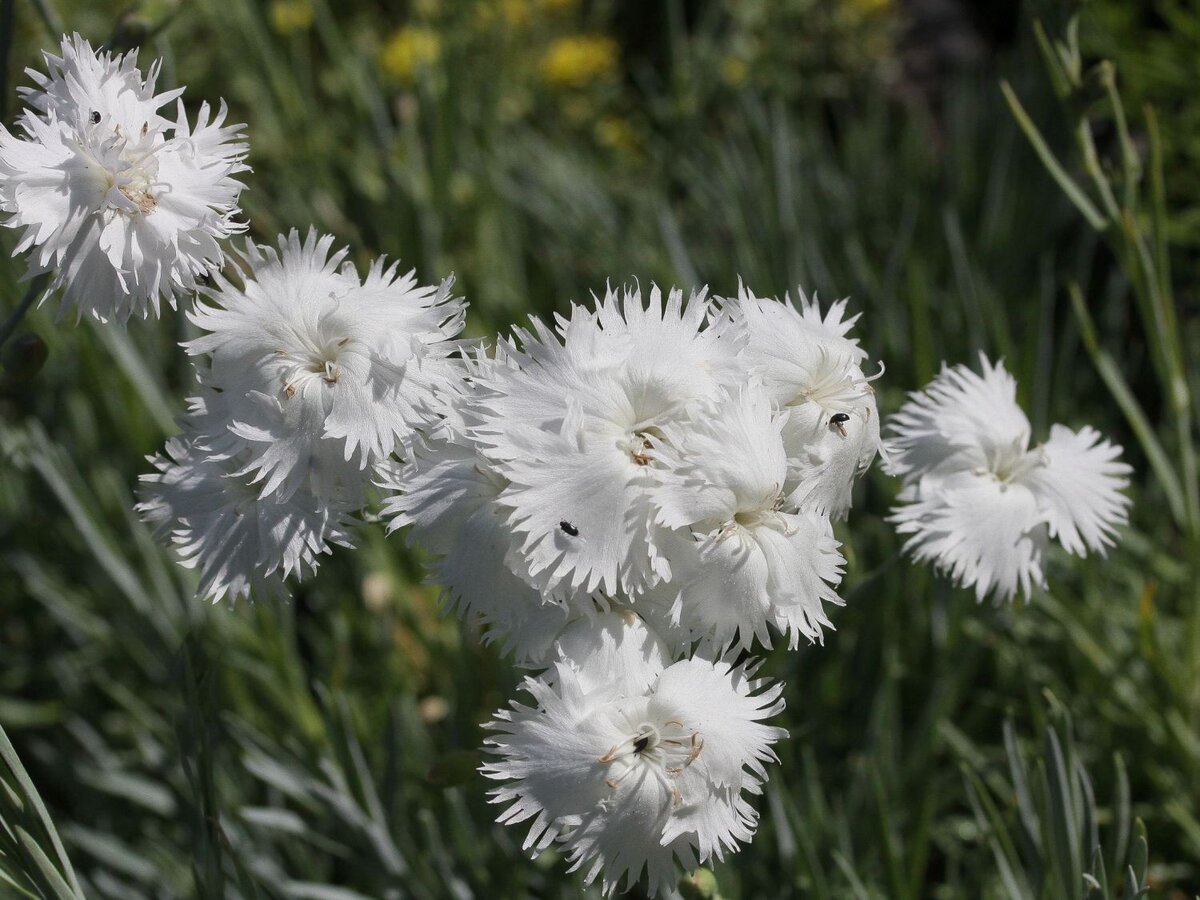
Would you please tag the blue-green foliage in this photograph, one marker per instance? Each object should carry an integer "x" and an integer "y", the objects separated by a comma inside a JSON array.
[{"x": 325, "y": 749}]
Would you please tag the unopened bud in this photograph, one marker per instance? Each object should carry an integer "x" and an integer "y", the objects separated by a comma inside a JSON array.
[
  {"x": 700, "y": 885},
  {"x": 1094, "y": 87}
]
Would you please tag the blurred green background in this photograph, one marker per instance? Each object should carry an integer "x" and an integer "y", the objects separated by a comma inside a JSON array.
[{"x": 538, "y": 148}]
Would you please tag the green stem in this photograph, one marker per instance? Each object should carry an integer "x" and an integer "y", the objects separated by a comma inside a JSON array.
[
  {"x": 1131, "y": 164},
  {"x": 1158, "y": 205},
  {"x": 1076, "y": 195},
  {"x": 1091, "y": 165},
  {"x": 11, "y": 323},
  {"x": 1117, "y": 386}
]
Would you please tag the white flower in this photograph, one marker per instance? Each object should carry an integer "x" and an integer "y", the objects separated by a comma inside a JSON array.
[
  {"x": 633, "y": 783},
  {"x": 979, "y": 503},
  {"x": 616, "y": 650},
  {"x": 812, "y": 370},
  {"x": 315, "y": 363},
  {"x": 125, "y": 207},
  {"x": 242, "y": 545},
  {"x": 572, "y": 426},
  {"x": 753, "y": 563},
  {"x": 446, "y": 494}
]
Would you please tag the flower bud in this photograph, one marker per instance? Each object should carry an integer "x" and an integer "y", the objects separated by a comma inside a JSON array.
[{"x": 700, "y": 885}]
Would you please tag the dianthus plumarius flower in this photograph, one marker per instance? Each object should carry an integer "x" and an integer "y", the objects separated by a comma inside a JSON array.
[
  {"x": 124, "y": 206},
  {"x": 632, "y": 782},
  {"x": 243, "y": 546},
  {"x": 319, "y": 372},
  {"x": 979, "y": 502},
  {"x": 310, "y": 376},
  {"x": 572, "y": 424},
  {"x": 667, "y": 454},
  {"x": 755, "y": 560},
  {"x": 812, "y": 368},
  {"x": 447, "y": 497},
  {"x": 615, "y": 650}
]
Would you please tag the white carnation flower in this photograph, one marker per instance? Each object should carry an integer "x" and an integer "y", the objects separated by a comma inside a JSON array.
[
  {"x": 242, "y": 544},
  {"x": 446, "y": 494},
  {"x": 316, "y": 364},
  {"x": 813, "y": 371},
  {"x": 617, "y": 650},
  {"x": 634, "y": 783},
  {"x": 979, "y": 503},
  {"x": 753, "y": 564},
  {"x": 126, "y": 207},
  {"x": 573, "y": 425}
]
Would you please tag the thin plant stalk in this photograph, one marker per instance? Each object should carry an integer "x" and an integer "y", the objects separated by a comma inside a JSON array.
[{"x": 15, "y": 318}]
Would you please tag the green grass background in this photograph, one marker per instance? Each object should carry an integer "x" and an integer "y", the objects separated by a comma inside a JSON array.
[{"x": 324, "y": 749}]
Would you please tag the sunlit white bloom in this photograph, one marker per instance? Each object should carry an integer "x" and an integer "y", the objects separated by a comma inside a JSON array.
[
  {"x": 573, "y": 428},
  {"x": 811, "y": 368},
  {"x": 773, "y": 569},
  {"x": 242, "y": 545},
  {"x": 753, "y": 563},
  {"x": 126, "y": 207},
  {"x": 446, "y": 495},
  {"x": 785, "y": 338},
  {"x": 661, "y": 606},
  {"x": 979, "y": 503},
  {"x": 315, "y": 363},
  {"x": 633, "y": 783},
  {"x": 617, "y": 650}
]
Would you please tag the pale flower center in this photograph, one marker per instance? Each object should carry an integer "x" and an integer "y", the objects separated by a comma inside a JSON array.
[
  {"x": 314, "y": 362},
  {"x": 1014, "y": 464},
  {"x": 638, "y": 445},
  {"x": 127, "y": 166},
  {"x": 137, "y": 191},
  {"x": 663, "y": 749}
]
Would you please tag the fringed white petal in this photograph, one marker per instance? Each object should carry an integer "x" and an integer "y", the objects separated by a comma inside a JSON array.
[
  {"x": 979, "y": 531},
  {"x": 1079, "y": 489}
]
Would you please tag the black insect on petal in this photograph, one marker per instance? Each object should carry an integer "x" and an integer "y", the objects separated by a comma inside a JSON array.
[
  {"x": 95, "y": 117},
  {"x": 839, "y": 418},
  {"x": 568, "y": 528}
]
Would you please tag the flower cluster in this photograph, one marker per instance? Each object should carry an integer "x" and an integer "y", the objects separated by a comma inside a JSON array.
[
  {"x": 123, "y": 206},
  {"x": 628, "y": 500},
  {"x": 979, "y": 503},
  {"x": 310, "y": 377}
]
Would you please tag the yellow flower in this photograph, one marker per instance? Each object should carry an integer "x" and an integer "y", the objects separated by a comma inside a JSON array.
[
  {"x": 735, "y": 71},
  {"x": 616, "y": 133},
  {"x": 291, "y": 15},
  {"x": 865, "y": 9},
  {"x": 578, "y": 60},
  {"x": 408, "y": 51}
]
